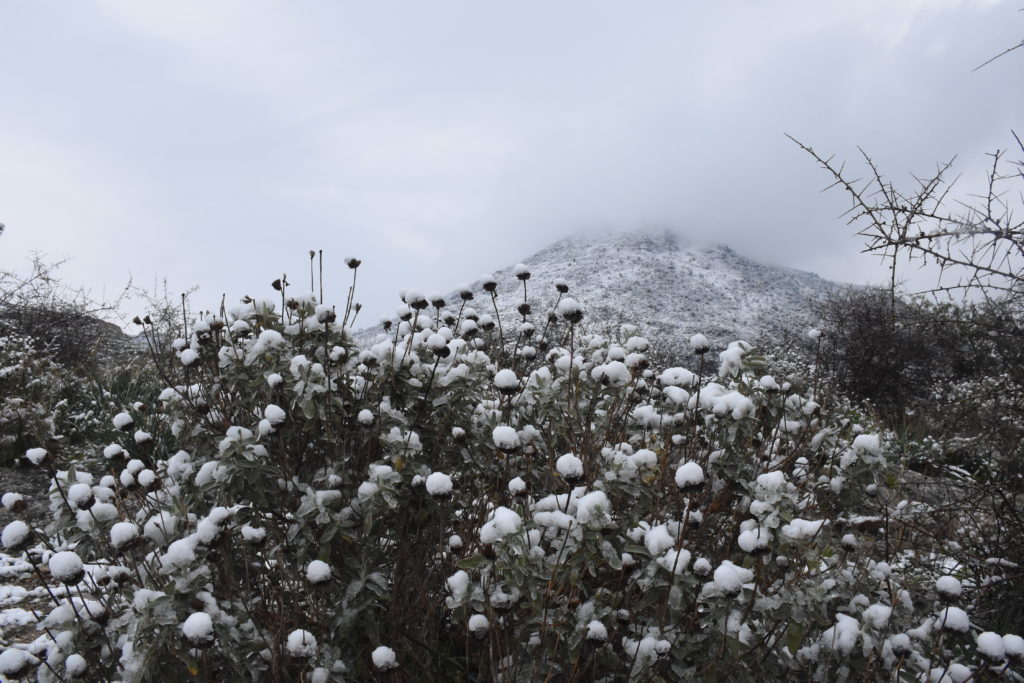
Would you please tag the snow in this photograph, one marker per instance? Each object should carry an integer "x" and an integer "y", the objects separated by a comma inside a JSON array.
[
  {"x": 753, "y": 540},
  {"x": 142, "y": 437},
  {"x": 15, "y": 534},
  {"x": 274, "y": 379},
  {"x": 437, "y": 343},
  {"x": 146, "y": 478},
  {"x": 516, "y": 486},
  {"x": 639, "y": 275},
  {"x": 251, "y": 534},
  {"x": 658, "y": 540},
  {"x": 955, "y": 672},
  {"x": 502, "y": 523},
  {"x": 867, "y": 443},
  {"x": 842, "y": 637},
  {"x": 10, "y": 500},
  {"x": 729, "y": 578},
  {"x": 458, "y": 585},
  {"x": 701, "y": 566},
  {"x": 66, "y": 566},
  {"x": 677, "y": 396},
  {"x": 198, "y": 628},
  {"x": 80, "y": 495},
  {"x": 991, "y": 645},
  {"x": 615, "y": 373},
  {"x": 209, "y": 472},
  {"x": 438, "y": 484},
  {"x": 689, "y": 474},
  {"x": 455, "y": 542},
  {"x": 900, "y": 643},
  {"x": 275, "y": 415},
  {"x": 189, "y": 356},
  {"x": 677, "y": 377},
  {"x": 505, "y": 438},
  {"x": 1014, "y": 646},
  {"x": 365, "y": 417},
  {"x": 731, "y": 403},
  {"x": 75, "y": 665},
  {"x": 112, "y": 451},
  {"x": 597, "y": 631},
  {"x": 318, "y": 571},
  {"x": 568, "y": 307},
  {"x": 593, "y": 507},
  {"x": 877, "y": 615},
  {"x": 569, "y": 466},
  {"x": 771, "y": 482},
  {"x": 301, "y": 643},
  {"x": 266, "y": 340},
  {"x": 948, "y": 586},
  {"x": 384, "y": 658},
  {"x": 122, "y": 533},
  {"x": 675, "y": 561},
  {"x": 699, "y": 343},
  {"x": 181, "y": 552},
  {"x": 506, "y": 380},
  {"x": 122, "y": 421},
  {"x": 637, "y": 344},
  {"x": 801, "y": 529},
  {"x": 953, "y": 619},
  {"x": 160, "y": 527},
  {"x": 732, "y": 358},
  {"x": 16, "y": 616},
  {"x": 15, "y": 662},
  {"x": 36, "y": 455},
  {"x": 478, "y": 625}
]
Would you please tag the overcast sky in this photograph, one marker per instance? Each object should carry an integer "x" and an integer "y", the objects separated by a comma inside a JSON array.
[{"x": 215, "y": 143}]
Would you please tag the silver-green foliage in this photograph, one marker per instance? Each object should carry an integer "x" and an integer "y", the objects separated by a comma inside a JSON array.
[{"x": 280, "y": 442}]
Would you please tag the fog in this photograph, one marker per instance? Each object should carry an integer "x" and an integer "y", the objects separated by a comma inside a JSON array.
[{"x": 214, "y": 144}]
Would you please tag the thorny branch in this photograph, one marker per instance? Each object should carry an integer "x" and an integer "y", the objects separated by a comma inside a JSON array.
[{"x": 978, "y": 245}]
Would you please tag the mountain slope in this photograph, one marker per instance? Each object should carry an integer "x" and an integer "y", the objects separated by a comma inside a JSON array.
[{"x": 670, "y": 288}]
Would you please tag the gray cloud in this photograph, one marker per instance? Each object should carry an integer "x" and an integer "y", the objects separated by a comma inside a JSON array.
[{"x": 215, "y": 143}]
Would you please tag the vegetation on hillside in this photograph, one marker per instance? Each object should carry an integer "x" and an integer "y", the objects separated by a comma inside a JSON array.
[{"x": 469, "y": 497}]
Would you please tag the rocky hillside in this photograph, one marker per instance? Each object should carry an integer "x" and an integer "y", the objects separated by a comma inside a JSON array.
[{"x": 670, "y": 287}]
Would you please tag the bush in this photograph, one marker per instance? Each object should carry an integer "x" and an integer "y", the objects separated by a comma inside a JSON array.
[
  {"x": 68, "y": 322},
  {"x": 44, "y": 403},
  {"x": 295, "y": 507}
]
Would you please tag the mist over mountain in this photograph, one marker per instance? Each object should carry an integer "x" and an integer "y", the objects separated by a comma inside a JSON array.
[{"x": 670, "y": 287}]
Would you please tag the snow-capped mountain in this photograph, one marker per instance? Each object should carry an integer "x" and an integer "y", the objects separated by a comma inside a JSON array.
[{"x": 669, "y": 287}]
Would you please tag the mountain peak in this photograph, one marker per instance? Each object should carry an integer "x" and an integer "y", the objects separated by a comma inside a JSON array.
[{"x": 670, "y": 286}]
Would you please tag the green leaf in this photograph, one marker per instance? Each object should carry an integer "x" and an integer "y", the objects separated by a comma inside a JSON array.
[
  {"x": 613, "y": 558},
  {"x": 308, "y": 408},
  {"x": 472, "y": 562},
  {"x": 794, "y": 635}
]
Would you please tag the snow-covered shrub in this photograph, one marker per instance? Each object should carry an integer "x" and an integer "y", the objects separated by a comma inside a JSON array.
[
  {"x": 337, "y": 510},
  {"x": 44, "y": 403}
]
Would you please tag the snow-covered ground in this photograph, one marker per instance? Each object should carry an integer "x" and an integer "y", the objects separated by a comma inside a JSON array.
[{"x": 19, "y": 595}]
